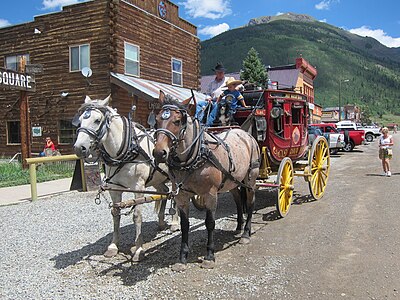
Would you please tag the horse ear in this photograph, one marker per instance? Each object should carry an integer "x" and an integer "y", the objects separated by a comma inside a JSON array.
[
  {"x": 161, "y": 97},
  {"x": 105, "y": 101},
  {"x": 88, "y": 100},
  {"x": 186, "y": 101}
]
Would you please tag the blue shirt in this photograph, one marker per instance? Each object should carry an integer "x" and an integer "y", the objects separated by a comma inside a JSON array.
[{"x": 234, "y": 97}]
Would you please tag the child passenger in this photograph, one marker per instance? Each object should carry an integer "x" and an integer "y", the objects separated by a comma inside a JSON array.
[{"x": 232, "y": 95}]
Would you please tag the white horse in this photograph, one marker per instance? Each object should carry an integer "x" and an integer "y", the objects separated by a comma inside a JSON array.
[{"x": 126, "y": 150}]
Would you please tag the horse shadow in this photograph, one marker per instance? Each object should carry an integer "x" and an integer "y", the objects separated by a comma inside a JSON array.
[{"x": 159, "y": 255}]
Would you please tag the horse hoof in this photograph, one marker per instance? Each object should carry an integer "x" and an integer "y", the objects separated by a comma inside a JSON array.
[
  {"x": 162, "y": 226},
  {"x": 175, "y": 228},
  {"x": 244, "y": 240},
  {"x": 179, "y": 267},
  {"x": 111, "y": 252},
  {"x": 138, "y": 255},
  {"x": 208, "y": 264}
]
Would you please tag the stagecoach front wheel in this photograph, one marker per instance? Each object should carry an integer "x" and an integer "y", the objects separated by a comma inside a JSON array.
[
  {"x": 319, "y": 163},
  {"x": 284, "y": 180}
]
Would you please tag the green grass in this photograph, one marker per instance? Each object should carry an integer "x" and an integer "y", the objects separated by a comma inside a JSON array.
[
  {"x": 387, "y": 119},
  {"x": 12, "y": 174}
]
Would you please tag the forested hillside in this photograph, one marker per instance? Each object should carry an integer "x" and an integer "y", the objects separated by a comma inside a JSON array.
[{"x": 372, "y": 69}]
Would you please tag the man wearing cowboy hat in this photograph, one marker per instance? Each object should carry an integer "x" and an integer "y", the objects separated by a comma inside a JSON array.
[{"x": 214, "y": 90}]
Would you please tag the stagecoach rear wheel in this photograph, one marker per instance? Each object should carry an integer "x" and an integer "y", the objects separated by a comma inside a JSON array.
[
  {"x": 319, "y": 163},
  {"x": 285, "y": 189}
]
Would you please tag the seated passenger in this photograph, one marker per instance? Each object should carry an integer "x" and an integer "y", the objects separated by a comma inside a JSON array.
[{"x": 232, "y": 95}]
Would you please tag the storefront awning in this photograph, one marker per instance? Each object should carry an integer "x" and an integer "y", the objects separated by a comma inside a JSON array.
[{"x": 150, "y": 90}]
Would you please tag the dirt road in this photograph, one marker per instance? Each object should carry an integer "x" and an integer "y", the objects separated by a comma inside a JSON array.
[{"x": 344, "y": 246}]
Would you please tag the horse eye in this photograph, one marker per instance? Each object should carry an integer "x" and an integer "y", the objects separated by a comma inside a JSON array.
[
  {"x": 177, "y": 122},
  {"x": 97, "y": 121}
]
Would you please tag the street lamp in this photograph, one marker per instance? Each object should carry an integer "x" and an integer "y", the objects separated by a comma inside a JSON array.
[{"x": 340, "y": 88}]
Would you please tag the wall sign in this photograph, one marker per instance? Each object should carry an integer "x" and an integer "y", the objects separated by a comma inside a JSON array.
[
  {"x": 162, "y": 9},
  {"x": 17, "y": 81},
  {"x": 36, "y": 131}
]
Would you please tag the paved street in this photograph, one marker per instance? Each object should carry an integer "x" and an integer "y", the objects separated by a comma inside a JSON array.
[{"x": 344, "y": 246}]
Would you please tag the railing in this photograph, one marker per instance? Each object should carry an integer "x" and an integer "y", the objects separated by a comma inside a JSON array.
[{"x": 32, "y": 162}]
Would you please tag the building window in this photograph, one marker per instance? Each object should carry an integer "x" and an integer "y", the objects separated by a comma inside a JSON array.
[
  {"x": 17, "y": 62},
  {"x": 13, "y": 132},
  {"x": 132, "y": 53},
  {"x": 176, "y": 65},
  {"x": 79, "y": 57},
  {"x": 66, "y": 132}
]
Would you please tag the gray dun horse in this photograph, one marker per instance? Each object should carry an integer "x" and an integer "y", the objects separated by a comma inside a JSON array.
[
  {"x": 126, "y": 150},
  {"x": 205, "y": 164}
]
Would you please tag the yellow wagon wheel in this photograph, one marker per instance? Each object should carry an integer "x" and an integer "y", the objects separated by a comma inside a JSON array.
[
  {"x": 319, "y": 163},
  {"x": 285, "y": 189}
]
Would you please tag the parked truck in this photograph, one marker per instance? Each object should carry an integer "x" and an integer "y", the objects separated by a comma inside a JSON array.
[{"x": 352, "y": 135}]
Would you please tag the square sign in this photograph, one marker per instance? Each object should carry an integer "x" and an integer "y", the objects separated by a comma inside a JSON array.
[{"x": 36, "y": 131}]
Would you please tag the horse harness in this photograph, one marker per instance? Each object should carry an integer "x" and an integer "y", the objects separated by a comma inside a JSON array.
[
  {"x": 130, "y": 148},
  {"x": 198, "y": 157}
]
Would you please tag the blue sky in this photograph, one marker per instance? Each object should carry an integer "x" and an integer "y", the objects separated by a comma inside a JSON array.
[{"x": 378, "y": 19}]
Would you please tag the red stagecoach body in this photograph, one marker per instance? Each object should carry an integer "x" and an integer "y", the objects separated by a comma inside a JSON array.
[{"x": 280, "y": 122}]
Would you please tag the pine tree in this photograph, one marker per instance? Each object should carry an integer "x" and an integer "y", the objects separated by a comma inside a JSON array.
[{"x": 253, "y": 69}]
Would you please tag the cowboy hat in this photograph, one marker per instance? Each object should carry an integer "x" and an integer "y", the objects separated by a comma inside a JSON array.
[
  {"x": 232, "y": 80},
  {"x": 219, "y": 68}
]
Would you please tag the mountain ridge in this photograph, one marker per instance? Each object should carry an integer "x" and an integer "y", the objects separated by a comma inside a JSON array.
[{"x": 372, "y": 68}]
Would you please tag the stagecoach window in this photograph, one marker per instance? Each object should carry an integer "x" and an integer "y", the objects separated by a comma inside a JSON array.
[
  {"x": 132, "y": 55},
  {"x": 296, "y": 115},
  {"x": 16, "y": 62},
  {"x": 66, "y": 132},
  {"x": 79, "y": 57},
  {"x": 13, "y": 132},
  {"x": 176, "y": 65},
  {"x": 277, "y": 120}
]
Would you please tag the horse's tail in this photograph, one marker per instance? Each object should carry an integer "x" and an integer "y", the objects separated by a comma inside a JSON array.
[{"x": 243, "y": 197}]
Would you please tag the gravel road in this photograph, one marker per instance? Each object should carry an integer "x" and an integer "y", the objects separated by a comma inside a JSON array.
[{"x": 344, "y": 246}]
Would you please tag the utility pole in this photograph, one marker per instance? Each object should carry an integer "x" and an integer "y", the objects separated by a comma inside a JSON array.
[
  {"x": 24, "y": 128},
  {"x": 340, "y": 89}
]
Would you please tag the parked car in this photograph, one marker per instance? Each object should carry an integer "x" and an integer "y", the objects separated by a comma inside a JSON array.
[
  {"x": 332, "y": 135},
  {"x": 370, "y": 132},
  {"x": 313, "y": 133}
]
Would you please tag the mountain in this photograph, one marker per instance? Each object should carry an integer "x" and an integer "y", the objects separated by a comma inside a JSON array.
[
  {"x": 373, "y": 70},
  {"x": 288, "y": 16}
]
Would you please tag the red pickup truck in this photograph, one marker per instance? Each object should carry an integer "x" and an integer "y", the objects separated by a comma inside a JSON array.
[{"x": 352, "y": 137}]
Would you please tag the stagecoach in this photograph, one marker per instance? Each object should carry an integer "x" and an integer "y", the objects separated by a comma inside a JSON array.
[
  {"x": 275, "y": 151},
  {"x": 278, "y": 120}
]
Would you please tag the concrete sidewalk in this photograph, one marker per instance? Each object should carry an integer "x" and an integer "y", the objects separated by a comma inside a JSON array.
[{"x": 22, "y": 193}]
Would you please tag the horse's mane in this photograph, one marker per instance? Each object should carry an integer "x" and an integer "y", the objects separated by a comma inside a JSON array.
[
  {"x": 169, "y": 100},
  {"x": 93, "y": 105}
]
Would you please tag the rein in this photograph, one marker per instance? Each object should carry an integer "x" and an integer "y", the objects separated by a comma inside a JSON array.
[{"x": 203, "y": 154}]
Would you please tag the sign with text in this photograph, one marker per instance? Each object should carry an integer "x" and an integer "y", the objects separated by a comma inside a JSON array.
[{"x": 17, "y": 81}]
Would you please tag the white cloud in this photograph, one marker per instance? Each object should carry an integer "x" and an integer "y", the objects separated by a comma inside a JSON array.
[
  {"x": 323, "y": 20},
  {"x": 211, "y": 9},
  {"x": 4, "y": 23},
  {"x": 323, "y": 5},
  {"x": 214, "y": 30},
  {"x": 377, "y": 34},
  {"x": 279, "y": 13},
  {"x": 53, "y": 4}
]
